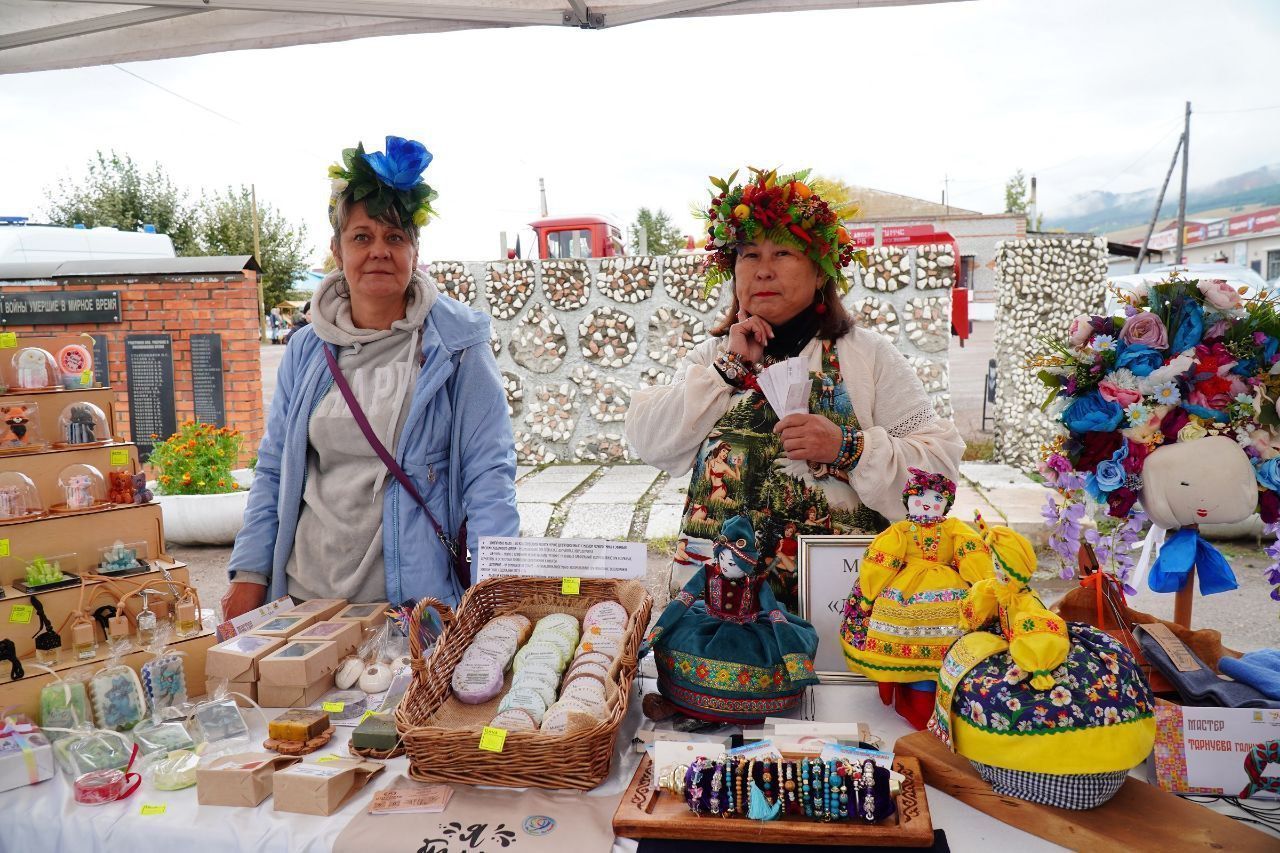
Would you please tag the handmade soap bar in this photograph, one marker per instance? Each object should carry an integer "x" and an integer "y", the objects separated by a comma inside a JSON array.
[
  {"x": 152, "y": 737},
  {"x": 118, "y": 700},
  {"x": 376, "y": 731},
  {"x": 298, "y": 724},
  {"x": 64, "y": 705},
  {"x": 165, "y": 681}
]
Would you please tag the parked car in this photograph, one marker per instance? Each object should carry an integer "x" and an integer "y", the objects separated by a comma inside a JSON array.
[{"x": 1254, "y": 284}]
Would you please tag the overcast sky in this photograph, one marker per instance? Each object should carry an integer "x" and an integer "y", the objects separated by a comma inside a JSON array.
[{"x": 1088, "y": 95}]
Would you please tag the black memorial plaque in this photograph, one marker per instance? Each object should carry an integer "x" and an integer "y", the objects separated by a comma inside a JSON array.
[
  {"x": 206, "y": 379},
  {"x": 101, "y": 366},
  {"x": 148, "y": 363},
  {"x": 45, "y": 307}
]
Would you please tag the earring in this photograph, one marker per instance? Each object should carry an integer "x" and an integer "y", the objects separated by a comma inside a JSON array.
[{"x": 820, "y": 303}]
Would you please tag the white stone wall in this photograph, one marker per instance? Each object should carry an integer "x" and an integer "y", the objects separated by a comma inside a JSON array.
[
  {"x": 574, "y": 338},
  {"x": 1042, "y": 284}
]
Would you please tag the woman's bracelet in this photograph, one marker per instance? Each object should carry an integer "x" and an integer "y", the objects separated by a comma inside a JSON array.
[
  {"x": 734, "y": 368},
  {"x": 851, "y": 441}
]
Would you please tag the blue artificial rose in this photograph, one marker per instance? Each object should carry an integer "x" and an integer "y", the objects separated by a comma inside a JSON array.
[
  {"x": 1091, "y": 413},
  {"x": 1141, "y": 359},
  {"x": 1268, "y": 474},
  {"x": 1109, "y": 475},
  {"x": 1190, "y": 327},
  {"x": 403, "y": 164}
]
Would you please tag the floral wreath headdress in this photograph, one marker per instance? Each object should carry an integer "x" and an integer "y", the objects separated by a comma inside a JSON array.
[
  {"x": 385, "y": 180},
  {"x": 782, "y": 208},
  {"x": 922, "y": 480}
]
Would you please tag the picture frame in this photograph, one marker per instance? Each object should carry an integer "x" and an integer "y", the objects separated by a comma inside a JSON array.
[{"x": 827, "y": 568}]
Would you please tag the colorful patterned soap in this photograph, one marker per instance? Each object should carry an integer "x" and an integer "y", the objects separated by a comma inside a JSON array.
[{"x": 298, "y": 724}]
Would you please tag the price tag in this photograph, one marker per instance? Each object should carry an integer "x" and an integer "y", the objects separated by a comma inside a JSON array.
[
  {"x": 333, "y": 707},
  {"x": 570, "y": 586},
  {"x": 21, "y": 614},
  {"x": 86, "y": 378},
  {"x": 4, "y": 547},
  {"x": 8, "y": 340},
  {"x": 492, "y": 740},
  {"x": 325, "y": 759},
  {"x": 153, "y": 808},
  {"x": 119, "y": 456}
]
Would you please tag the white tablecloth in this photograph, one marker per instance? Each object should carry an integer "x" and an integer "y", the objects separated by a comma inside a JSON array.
[{"x": 44, "y": 817}]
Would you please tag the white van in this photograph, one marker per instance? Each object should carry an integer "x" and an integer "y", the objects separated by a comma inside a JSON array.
[{"x": 32, "y": 243}]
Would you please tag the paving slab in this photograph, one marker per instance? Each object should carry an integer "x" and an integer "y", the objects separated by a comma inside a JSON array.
[
  {"x": 620, "y": 484},
  {"x": 553, "y": 484},
  {"x": 632, "y": 473},
  {"x": 522, "y": 470},
  {"x": 598, "y": 521},
  {"x": 664, "y": 520},
  {"x": 991, "y": 475},
  {"x": 1020, "y": 508},
  {"x": 969, "y": 499},
  {"x": 534, "y": 518},
  {"x": 674, "y": 491}
]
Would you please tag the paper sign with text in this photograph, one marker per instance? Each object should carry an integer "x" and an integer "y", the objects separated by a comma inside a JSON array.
[
  {"x": 1231, "y": 752},
  {"x": 557, "y": 558}
]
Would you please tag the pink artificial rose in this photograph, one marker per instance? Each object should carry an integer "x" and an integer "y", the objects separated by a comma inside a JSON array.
[
  {"x": 1147, "y": 329},
  {"x": 1081, "y": 330},
  {"x": 1220, "y": 295},
  {"x": 1112, "y": 392}
]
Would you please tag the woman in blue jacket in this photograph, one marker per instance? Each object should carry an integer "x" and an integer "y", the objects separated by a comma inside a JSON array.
[{"x": 326, "y": 518}]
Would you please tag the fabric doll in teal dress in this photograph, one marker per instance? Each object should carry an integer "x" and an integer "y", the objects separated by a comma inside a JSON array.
[{"x": 725, "y": 650}]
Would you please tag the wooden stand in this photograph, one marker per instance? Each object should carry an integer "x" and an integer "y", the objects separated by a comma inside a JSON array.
[
  {"x": 1138, "y": 817},
  {"x": 647, "y": 812},
  {"x": 1182, "y": 600}
]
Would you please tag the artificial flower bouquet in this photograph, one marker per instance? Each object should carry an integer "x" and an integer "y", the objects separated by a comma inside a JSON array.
[{"x": 1188, "y": 359}]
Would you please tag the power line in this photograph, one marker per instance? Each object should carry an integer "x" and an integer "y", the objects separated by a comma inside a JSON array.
[
  {"x": 196, "y": 104},
  {"x": 1245, "y": 110}
]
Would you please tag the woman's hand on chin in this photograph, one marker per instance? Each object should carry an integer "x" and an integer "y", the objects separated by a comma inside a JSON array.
[
  {"x": 748, "y": 336},
  {"x": 809, "y": 438}
]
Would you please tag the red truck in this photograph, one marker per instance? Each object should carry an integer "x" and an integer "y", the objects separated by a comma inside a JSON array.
[{"x": 578, "y": 237}]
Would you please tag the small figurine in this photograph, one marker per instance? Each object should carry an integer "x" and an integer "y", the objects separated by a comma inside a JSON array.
[
  {"x": 75, "y": 363},
  {"x": 118, "y": 558},
  {"x": 42, "y": 572},
  {"x": 726, "y": 651},
  {"x": 904, "y": 610},
  {"x": 141, "y": 494},
  {"x": 17, "y": 432},
  {"x": 33, "y": 368},
  {"x": 79, "y": 489},
  {"x": 80, "y": 426},
  {"x": 12, "y": 502},
  {"x": 120, "y": 487}
]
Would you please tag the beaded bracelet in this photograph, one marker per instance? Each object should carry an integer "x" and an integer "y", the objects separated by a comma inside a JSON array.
[
  {"x": 851, "y": 442},
  {"x": 806, "y": 792},
  {"x": 867, "y": 783},
  {"x": 734, "y": 368},
  {"x": 833, "y": 791},
  {"x": 728, "y": 784}
]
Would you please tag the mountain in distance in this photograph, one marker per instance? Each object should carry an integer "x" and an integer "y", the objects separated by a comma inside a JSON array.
[{"x": 1102, "y": 212}]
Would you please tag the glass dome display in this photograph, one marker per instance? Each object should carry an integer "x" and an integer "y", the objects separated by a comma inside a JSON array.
[
  {"x": 83, "y": 488},
  {"x": 33, "y": 369},
  {"x": 82, "y": 424},
  {"x": 19, "y": 498},
  {"x": 75, "y": 365},
  {"x": 20, "y": 427}
]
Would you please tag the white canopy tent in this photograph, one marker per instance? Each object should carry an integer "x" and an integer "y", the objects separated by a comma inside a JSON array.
[{"x": 38, "y": 35}]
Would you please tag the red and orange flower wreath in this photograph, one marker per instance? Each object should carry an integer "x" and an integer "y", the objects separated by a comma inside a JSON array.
[{"x": 784, "y": 209}]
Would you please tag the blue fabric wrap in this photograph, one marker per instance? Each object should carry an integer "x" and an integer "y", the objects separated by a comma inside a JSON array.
[
  {"x": 1184, "y": 549},
  {"x": 463, "y": 466},
  {"x": 1260, "y": 670}
]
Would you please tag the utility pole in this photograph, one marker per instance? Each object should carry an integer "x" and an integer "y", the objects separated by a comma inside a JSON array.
[
  {"x": 1182, "y": 197},
  {"x": 542, "y": 191},
  {"x": 1032, "y": 225},
  {"x": 257, "y": 256},
  {"x": 946, "y": 185},
  {"x": 1155, "y": 216}
]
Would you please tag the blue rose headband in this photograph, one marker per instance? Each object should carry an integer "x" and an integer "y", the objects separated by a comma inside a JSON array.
[{"x": 385, "y": 181}]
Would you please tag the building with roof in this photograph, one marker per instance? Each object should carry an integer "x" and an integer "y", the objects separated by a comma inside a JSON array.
[{"x": 1246, "y": 236}]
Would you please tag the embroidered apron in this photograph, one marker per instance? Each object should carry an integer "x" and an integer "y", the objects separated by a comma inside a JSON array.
[{"x": 741, "y": 469}]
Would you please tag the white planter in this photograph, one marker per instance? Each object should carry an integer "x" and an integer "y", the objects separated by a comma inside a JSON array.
[{"x": 203, "y": 519}]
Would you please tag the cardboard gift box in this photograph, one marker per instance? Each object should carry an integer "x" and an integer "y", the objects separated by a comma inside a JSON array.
[
  {"x": 25, "y": 754},
  {"x": 239, "y": 780},
  {"x": 243, "y": 688},
  {"x": 293, "y": 696},
  {"x": 346, "y": 634},
  {"x": 321, "y": 789},
  {"x": 237, "y": 658},
  {"x": 298, "y": 663},
  {"x": 370, "y": 615},
  {"x": 284, "y": 625},
  {"x": 321, "y": 608}
]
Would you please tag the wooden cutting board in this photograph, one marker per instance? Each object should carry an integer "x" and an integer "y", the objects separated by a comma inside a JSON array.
[
  {"x": 1138, "y": 817},
  {"x": 647, "y": 812}
]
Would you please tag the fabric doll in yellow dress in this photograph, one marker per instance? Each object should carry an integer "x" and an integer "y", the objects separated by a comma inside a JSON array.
[{"x": 904, "y": 610}]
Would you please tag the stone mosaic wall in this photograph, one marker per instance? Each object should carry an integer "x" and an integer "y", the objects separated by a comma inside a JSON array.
[
  {"x": 1041, "y": 285},
  {"x": 575, "y": 338}
]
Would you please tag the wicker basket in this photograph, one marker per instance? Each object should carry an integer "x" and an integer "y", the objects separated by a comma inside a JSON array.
[{"x": 442, "y": 735}]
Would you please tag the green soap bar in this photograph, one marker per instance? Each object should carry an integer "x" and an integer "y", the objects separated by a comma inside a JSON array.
[
  {"x": 64, "y": 705},
  {"x": 376, "y": 732}
]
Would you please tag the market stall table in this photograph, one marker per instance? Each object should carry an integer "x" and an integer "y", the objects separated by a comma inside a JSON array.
[{"x": 44, "y": 817}]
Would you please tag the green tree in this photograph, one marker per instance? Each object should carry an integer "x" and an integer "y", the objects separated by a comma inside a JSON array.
[
  {"x": 115, "y": 192},
  {"x": 1015, "y": 193},
  {"x": 663, "y": 237},
  {"x": 225, "y": 227}
]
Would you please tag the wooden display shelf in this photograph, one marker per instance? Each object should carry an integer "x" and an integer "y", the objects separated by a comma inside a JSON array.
[
  {"x": 82, "y": 534},
  {"x": 1138, "y": 817},
  {"x": 24, "y": 695},
  {"x": 59, "y": 603},
  {"x": 44, "y": 466},
  {"x": 51, "y": 403},
  {"x": 647, "y": 812}
]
